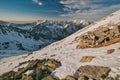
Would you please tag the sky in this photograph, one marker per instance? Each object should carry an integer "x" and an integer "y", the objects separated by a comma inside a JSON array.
[{"x": 29, "y": 10}]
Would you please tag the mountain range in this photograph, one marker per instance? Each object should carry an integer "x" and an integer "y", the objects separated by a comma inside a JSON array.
[
  {"x": 91, "y": 53},
  {"x": 27, "y": 37}
]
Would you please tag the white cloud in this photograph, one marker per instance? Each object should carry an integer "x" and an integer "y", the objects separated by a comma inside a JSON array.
[
  {"x": 37, "y": 2},
  {"x": 87, "y": 9},
  {"x": 40, "y": 3}
]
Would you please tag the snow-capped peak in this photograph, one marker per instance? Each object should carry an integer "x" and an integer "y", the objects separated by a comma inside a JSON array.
[{"x": 40, "y": 21}]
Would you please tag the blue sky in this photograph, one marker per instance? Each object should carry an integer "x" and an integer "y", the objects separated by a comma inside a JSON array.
[{"x": 25, "y": 10}]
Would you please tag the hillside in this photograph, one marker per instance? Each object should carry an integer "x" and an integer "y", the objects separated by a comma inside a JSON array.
[{"x": 73, "y": 62}]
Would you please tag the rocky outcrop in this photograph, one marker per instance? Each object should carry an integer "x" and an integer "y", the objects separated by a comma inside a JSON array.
[
  {"x": 35, "y": 70},
  {"x": 87, "y": 58},
  {"x": 92, "y": 72},
  {"x": 41, "y": 70},
  {"x": 102, "y": 36}
]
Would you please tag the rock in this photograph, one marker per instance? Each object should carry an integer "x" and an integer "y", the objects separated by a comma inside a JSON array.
[
  {"x": 26, "y": 77},
  {"x": 102, "y": 36},
  {"x": 83, "y": 78},
  {"x": 68, "y": 77},
  {"x": 52, "y": 64},
  {"x": 92, "y": 72},
  {"x": 117, "y": 77},
  {"x": 87, "y": 58},
  {"x": 41, "y": 73},
  {"x": 110, "y": 51},
  {"x": 50, "y": 78},
  {"x": 7, "y": 76},
  {"x": 35, "y": 70}
]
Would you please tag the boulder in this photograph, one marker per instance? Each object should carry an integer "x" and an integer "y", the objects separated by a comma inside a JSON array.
[
  {"x": 92, "y": 72},
  {"x": 68, "y": 77},
  {"x": 52, "y": 64},
  {"x": 87, "y": 58},
  {"x": 110, "y": 51}
]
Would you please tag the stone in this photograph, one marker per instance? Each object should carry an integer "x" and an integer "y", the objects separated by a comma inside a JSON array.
[
  {"x": 110, "y": 51},
  {"x": 35, "y": 70},
  {"x": 87, "y": 58},
  {"x": 93, "y": 72},
  {"x": 26, "y": 77},
  {"x": 50, "y": 78},
  {"x": 102, "y": 36},
  {"x": 52, "y": 64},
  {"x": 7, "y": 76},
  {"x": 68, "y": 77}
]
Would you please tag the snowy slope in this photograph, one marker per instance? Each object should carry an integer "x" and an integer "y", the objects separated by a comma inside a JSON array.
[
  {"x": 33, "y": 36},
  {"x": 65, "y": 51},
  {"x": 15, "y": 37}
]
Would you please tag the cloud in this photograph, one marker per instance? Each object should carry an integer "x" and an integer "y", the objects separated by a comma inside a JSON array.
[
  {"x": 89, "y": 9},
  {"x": 37, "y": 2}
]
